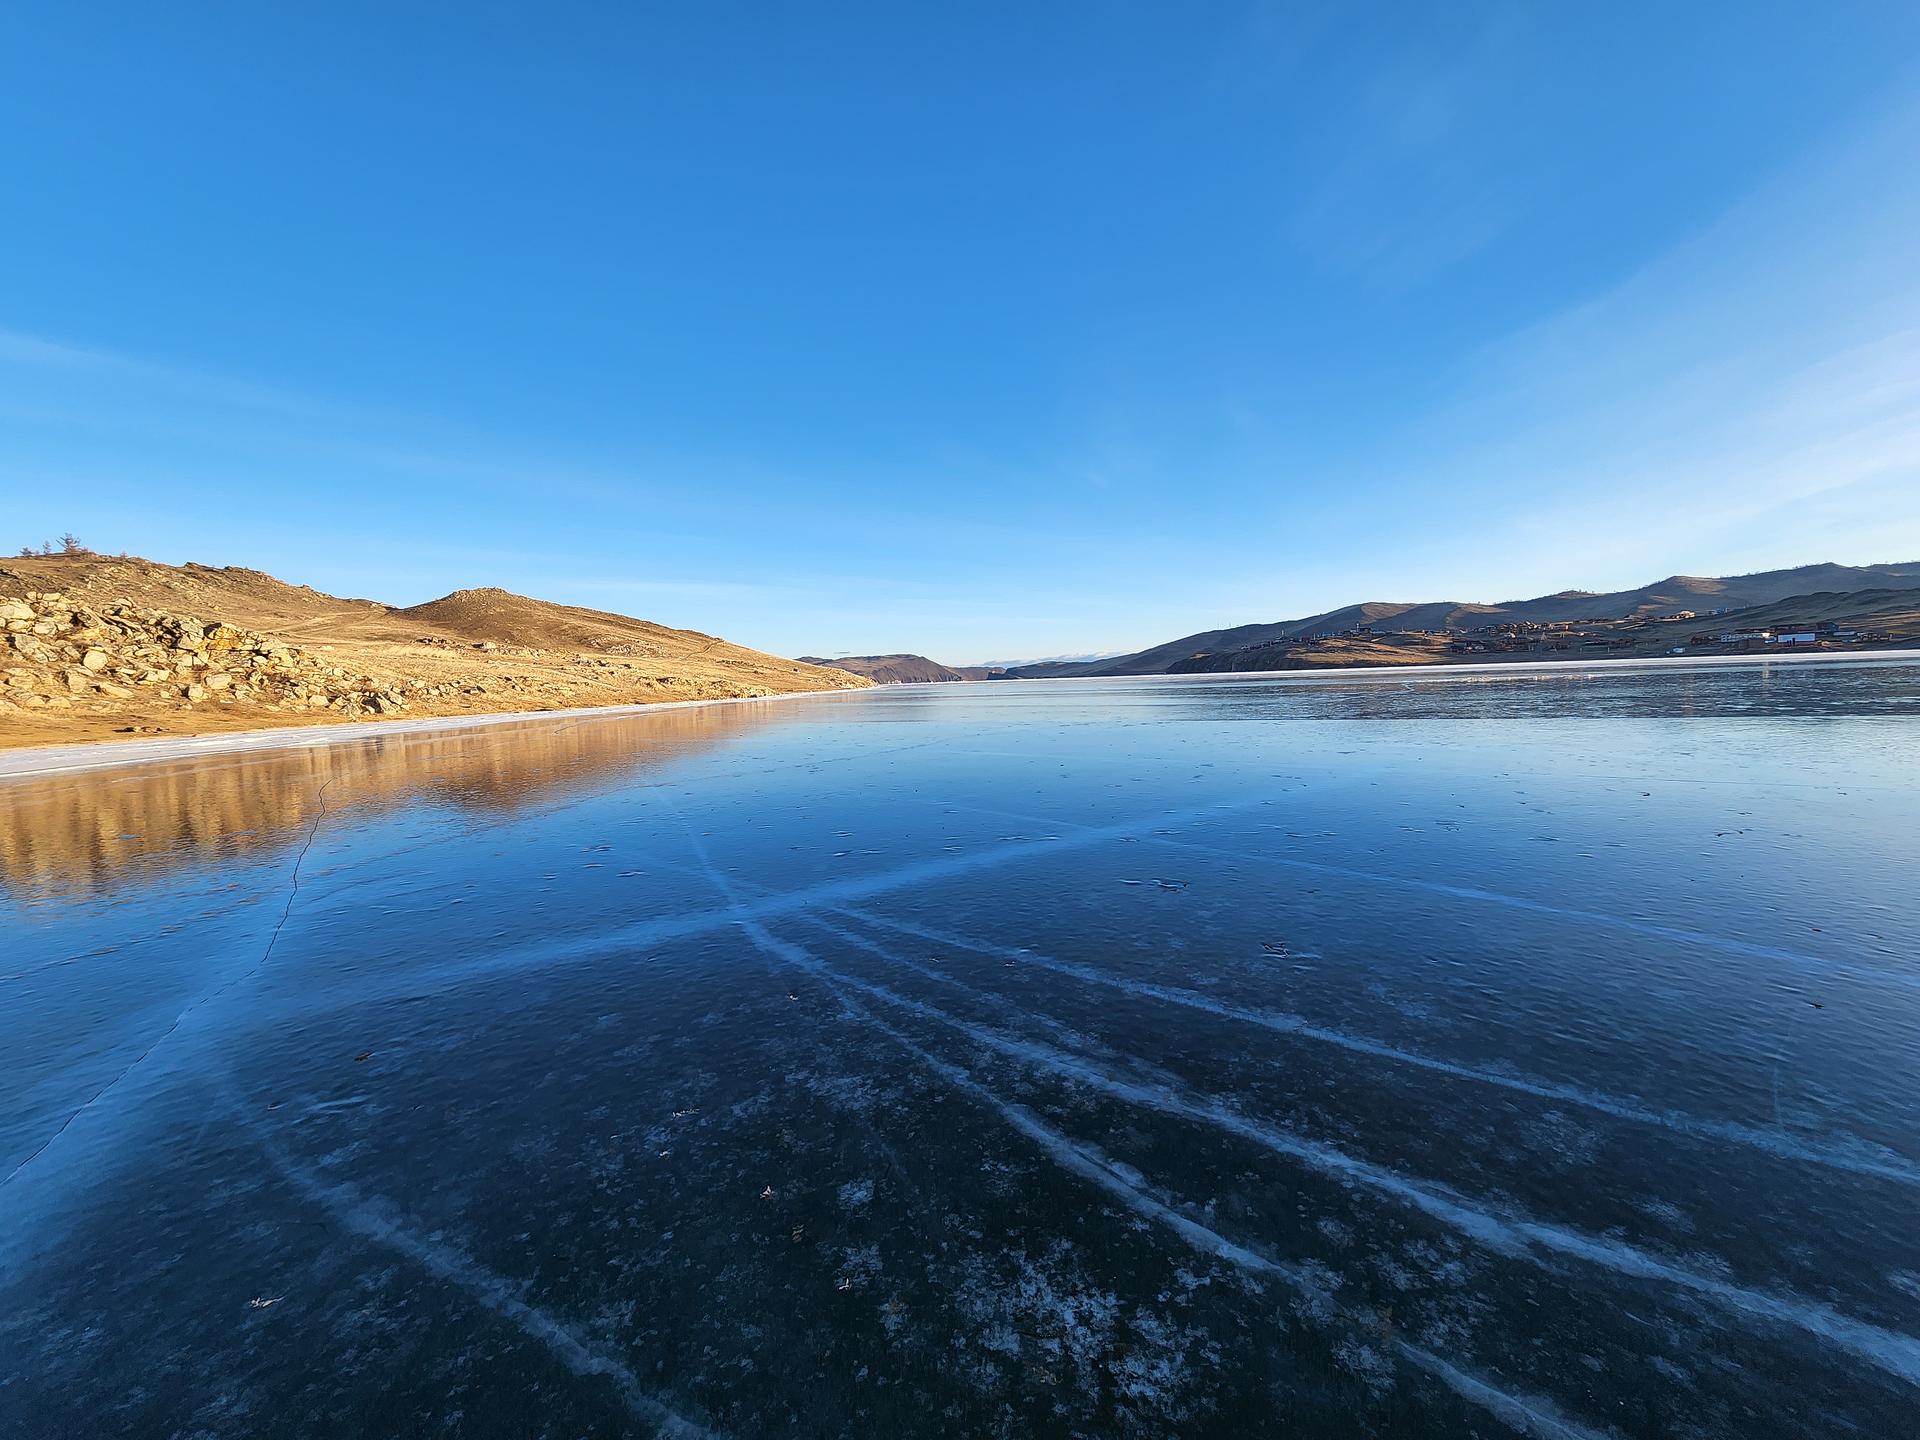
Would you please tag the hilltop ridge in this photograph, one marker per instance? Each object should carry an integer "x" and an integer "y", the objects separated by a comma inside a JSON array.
[
  {"x": 100, "y": 647},
  {"x": 905, "y": 669},
  {"x": 1236, "y": 647}
]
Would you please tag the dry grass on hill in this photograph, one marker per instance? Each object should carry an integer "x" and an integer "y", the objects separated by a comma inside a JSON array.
[{"x": 108, "y": 647}]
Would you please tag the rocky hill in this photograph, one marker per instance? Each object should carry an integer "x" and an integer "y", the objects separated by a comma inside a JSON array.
[
  {"x": 1698, "y": 593},
  {"x": 104, "y": 647}
]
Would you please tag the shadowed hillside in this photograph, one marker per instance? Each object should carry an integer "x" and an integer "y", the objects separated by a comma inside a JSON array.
[
  {"x": 1702, "y": 595},
  {"x": 903, "y": 669}
]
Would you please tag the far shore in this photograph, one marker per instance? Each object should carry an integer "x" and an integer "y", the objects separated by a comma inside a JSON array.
[
  {"x": 1560, "y": 662},
  {"x": 29, "y": 762}
]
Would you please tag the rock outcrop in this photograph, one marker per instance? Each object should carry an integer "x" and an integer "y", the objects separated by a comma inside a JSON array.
[
  {"x": 94, "y": 647},
  {"x": 62, "y": 653}
]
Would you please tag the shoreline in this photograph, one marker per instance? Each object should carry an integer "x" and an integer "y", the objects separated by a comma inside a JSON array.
[
  {"x": 40, "y": 761},
  {"x": 30, "y": 762},
  {"x": 1457, "y": 667}
]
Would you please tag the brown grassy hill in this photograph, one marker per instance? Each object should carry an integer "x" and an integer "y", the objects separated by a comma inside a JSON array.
[
  {"x": 1896, "y": 611},
  {"x": 509, "y": 619},
  {"x": 903, "y": 669},
  {"x": 1889, "y": 613},
  {"x": 1699, "y": 593},
  {"x": 99, "y": 647}
]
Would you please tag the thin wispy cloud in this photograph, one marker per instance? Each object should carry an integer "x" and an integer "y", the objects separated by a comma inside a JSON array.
[
  {"x": 1257, "y": 316},
  {"x": 1412, "y": 185}
]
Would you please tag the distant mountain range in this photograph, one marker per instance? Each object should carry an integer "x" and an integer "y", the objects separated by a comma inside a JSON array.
[
  {"x": 904, "y": 669},
  {"x": 1084, "y": 655},
  {"x": 1232, "y": 648}
]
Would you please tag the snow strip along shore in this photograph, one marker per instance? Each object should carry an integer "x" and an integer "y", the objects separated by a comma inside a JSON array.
[{"x": 72, "y": 759}]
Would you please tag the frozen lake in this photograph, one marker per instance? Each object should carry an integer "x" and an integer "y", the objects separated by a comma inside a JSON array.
[{"x": 1468, "y": 1054}]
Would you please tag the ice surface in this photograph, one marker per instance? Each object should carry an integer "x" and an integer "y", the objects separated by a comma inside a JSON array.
[{"x": 1428, "y": 1057}]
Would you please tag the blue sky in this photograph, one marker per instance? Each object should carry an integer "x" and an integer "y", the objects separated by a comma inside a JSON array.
[{"x": 985, "y": 331}]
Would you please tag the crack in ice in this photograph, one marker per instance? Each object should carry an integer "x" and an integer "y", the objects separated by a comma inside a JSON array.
[
  {"x": 1796, "y": 958},
  {"x": 1774, "y": 1142},
  {"x": 1517, "y": 1236},
  {"x": 1522, "y": 1413},
  {"x": 210, "y": 997},
  {"x": 371, "y": 1220}
]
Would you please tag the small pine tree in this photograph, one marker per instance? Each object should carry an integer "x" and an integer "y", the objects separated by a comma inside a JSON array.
[{"x": 70, "y": 544}]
